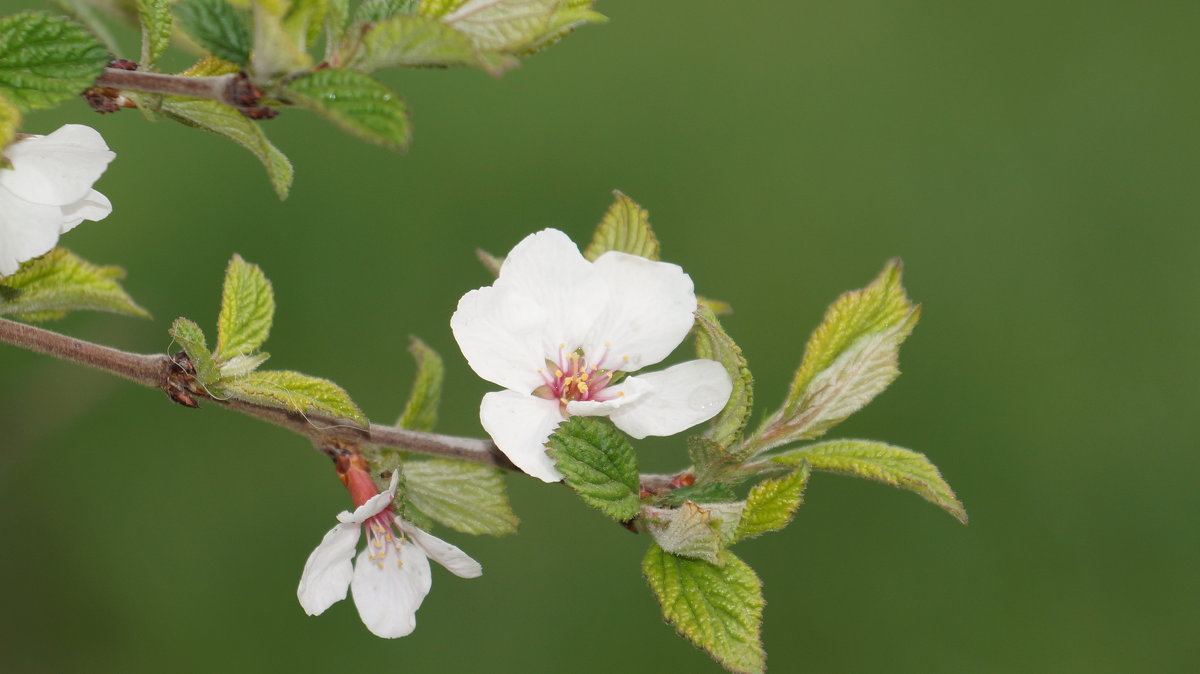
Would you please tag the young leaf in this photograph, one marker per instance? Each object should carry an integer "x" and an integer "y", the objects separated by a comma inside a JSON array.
[
  {"x": 881, "y": 462},
  {"x": 48, "y": 287},
  {"x": 225, "y": 121},
  {"x": 463, "y": 496},
  {"x": 357, "y": 103},
  {"x": 711, "y": 461},
  {"x": 414, "y": 41},
  {"x": 716, "y": 607},
  {"x": 716, "y": 492},
  {"x": 372, "y": 11},
  {"x": 517, "y": 25},
  {"x": 218, "y": 26},
  {"x": 45, "y": 60},
  {"x": 771, "y": 503},
  {"x": 87, "y": 13},
  {"x": 190, "y": 338},
  {"x": 625, "y": 228},
  {"x": 294, "y": 391},
  {"x": 155, "y": 17},
  {"x": 714, "y": 343},
  {"x": 337, "y": 14},
  {"x": 693, "y": 531},
  {"x": 303, "y": 21},
  {"x": 247, "y": 310},
  {"x": 420, "y": 414},
  {"x": 276, "y": 52},
  {"x": 599, "y": 464},
  {"x": 240, "y": 366},
  {"x": 10, "y": 121}
]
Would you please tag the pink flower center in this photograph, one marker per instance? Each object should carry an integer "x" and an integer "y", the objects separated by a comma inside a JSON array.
[{"x": 572, "y": 376}]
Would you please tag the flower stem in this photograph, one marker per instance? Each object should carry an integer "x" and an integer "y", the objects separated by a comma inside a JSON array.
[{"x": 218, "y": 88}]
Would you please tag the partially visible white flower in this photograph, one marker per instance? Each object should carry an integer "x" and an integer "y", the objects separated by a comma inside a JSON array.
[
  {"x": 557, "y": 331},
  {"x": 48, "y": 191},
  {"x": 391, "y": 576}
]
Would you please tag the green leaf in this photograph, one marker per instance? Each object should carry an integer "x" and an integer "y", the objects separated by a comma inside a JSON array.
[
  {"x": 694, "y": 531},
  {"x": 58, "y": 282},
  {"x": 625, "y": 228},
  {"x": 438, "y": 8},
  {"x": 716, "y": 492},
  {"x": 772, "y": 503},
  {"x": 277, "y": 52},
  {"x": 239, "y": 366},
  {"x": 296, "y": 392},
  {"x": 45, "y": 60},
  {"x": 10, "y": 121},
  {"x": 303, "y": 21},
  {"x": 517, "y": 25},
  {"x": 711, "y": 461},
  {"x": 218, "y": 26},
  {"x": 355, "y": 102},
  {"x": 155, "y": 17},
  {"x": 225, "y": 121},
  {"x": 247, "y": 310},
  {"x": 881, "y": 462},
  {"x": 463, "y": 496},
  {"x": 713, "y": 343},
  {"x": 420, "y": 413},
  {"x": 337, "y": 14},
  {"x": 850, "y": 358},
  {"x": 87, "y": 13},
  {"x": 599, "y": 465},
  {"x": 416, "y": 41},
  {"x": 191, "y": 339},
  {"x": 716, "y": 607},
  {"x": 371, "y": 11}
]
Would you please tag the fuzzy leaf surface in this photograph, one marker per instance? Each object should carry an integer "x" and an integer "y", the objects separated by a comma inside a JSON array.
[
  {"x": 716, "y": 607},
  {"x": 155, "y": 18},
  {"x": 247, "y": 310},
  {"x": 50, "y": 286},
  {"x": 357, "y": 103},
  {"x": 598, "y": 463},
  {"x": 412, "y": 40},
  {"x": 713, "y": 343},
  {"x": 421, "y": 411},
  {"x": 191, "y": 339},
  {"x": 884, "y": 463},
  {"x": 518, "y": 25},
  {"x": 772, "y": 503},
  {"x": 218, "y": 26},
  {"x": 371, "y": 11},
  {"x": 45, "y": 60},
  {"x": 463, "y": 496},
  {"x": 625, "y": 228},
  {"x": 694, "y": 531},
  {"x": 296, "y": 392},
  {"x": 239, "y": 366}
]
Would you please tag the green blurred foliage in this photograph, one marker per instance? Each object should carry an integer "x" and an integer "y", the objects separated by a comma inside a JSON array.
[{"x": 1034, "y": 164}]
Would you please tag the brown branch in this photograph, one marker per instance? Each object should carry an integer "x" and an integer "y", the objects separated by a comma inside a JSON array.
[{"x": 218, "y": 88}]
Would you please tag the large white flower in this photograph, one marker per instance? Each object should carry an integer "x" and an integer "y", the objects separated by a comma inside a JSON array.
[
  {"x": 391, "y": 576},
  {"x": 48, "y": 191},
  {"x": 557, "y": 331}
]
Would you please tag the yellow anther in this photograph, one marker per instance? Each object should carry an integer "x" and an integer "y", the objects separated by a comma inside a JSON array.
[
  {"x": 583, "y": 377},
  {"x": 625, "y": 358},
  {"x": 380, "y": 565},
  {"x": 620, "y": 393},
  {"x": 608, "y": 345},
  {"x": 378, "y": 543},
  {"x": 558, "y": 373},
  {"x": 583, "y": 388},
  {"x": 399, "y": 563}
]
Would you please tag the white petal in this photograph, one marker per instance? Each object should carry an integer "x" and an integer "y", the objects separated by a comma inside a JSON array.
[
  {"x": 388, "y": 593},
  {"x": 648, "y": 314},
  {"x": 625, "y": 393},
  {"x": 455, "y": 560},
  {"x": 520, "y": 425},
  {"x": 27, "y": 230},
  {"x": 547, "y": 268},
  {"x": 680, "y": 397},
  {"x": 93, "y": 206},
  {"x": 500, "y": 333},
  {"x": 58, "y": 169},
  {"x": 328, "y": 570},
  {"x": 374, "y": 505}
]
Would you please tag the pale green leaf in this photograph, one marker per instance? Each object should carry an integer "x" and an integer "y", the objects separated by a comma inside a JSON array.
[
  {"x": 881, "y": 462},
  {"x": 247, "y": 310},
  {"x": 155, "y": 17},
  {"x": 239, "y": 366},
  {"x": 711, "y": 461},
  {"x": 713, "y": 343},
  {"x": 304, "y": 20},
  {"x": 716, "y": 607},
  {"x": 191, "y": 339},
  {"x": 717, "y": 492},
  {"x": 225, "y": 121},
  {"x": 58, "y": 282},
  {"x": 517, "y": 25},
  {"x": 371, "y": 11},
  {"x": 694, "y": 531},
  {"x": 598, "y": 463},
  {"x": 218, "y": 26},
  {"x": 45, "y": 60},
  {"x": 421, "y": 411},
  {"x": 10, "y": 121},
  {"x": 89, "y": 14},
  {"x": 438, "y": 8},
  {"x": 337, "y": 15},
  {"x": 413, "y": 41},
  {"x": 772, "y": 503},
  {"x": 295, "y": 392},
  {"x": 463, "y": 496},
  {"x": 355, "y": 102},
  {"x": 276, "y": 52},
  {"x": 625, "y": 228}
]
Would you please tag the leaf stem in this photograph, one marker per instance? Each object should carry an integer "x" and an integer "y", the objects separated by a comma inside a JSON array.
[{"x": 222, "y": 88}]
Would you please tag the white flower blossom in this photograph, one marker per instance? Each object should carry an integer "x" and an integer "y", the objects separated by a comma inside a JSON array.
[
  {"x": 48, "y": 190},
  {"x": 391, "y": 576},
  {"x": 558, "y": 332}
]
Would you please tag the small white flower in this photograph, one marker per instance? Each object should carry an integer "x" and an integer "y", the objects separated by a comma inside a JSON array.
[
  {"x": 48, "y": 191},
  {"x": 391, "y": 576},
  {"x": 556, "y": 331}
]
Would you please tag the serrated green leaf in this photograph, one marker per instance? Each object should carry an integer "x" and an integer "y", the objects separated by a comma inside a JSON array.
[
  {"x": 58, "y": 282},
  {"x": 884, "y": 463},
  {"x": 247, "y": 310},
  {"x": 337, "y": 15},
  {"x": 420, "y": 413},
  {"x": 716, "y": 492},
  {"x": 294, "y": 391},
  {"x": 713, "y": 343},
  {"x": 191, "y": 339},
  {"x": 10, "y": 121},
  {"x": 414, "y": 41},
  {"x": 276, "y": 52},
  {"x": 304, "y": 20},
  {"x": 45, "y": 60},
  {"x": 517, "y": 25},
  {"x": 772, "y": 503},
  {"x": 718, "y": 608},
  {"x": 625, "y": 228},
  {"x": 155, "y": 17},
  {"x": 694, "y": 531},
  {"x": 87, "y": 14},
  {"x": 371, "y": 11},
  {"x": 463, "y": 496},
  {"x": 357, "y": 103},
  {"x": 438, "y": 8},
  {"x": 218, "y": 26},
  {"x": 225, "y": 121},
  {"x": 850, "y": 358},
  {"x": 239, "y": 366},
  {"x": 598, "y": 463},
  {"x": 711, "y": 461}
]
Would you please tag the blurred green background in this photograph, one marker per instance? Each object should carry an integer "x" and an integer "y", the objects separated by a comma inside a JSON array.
[{"x": 1035, "y": 164}]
